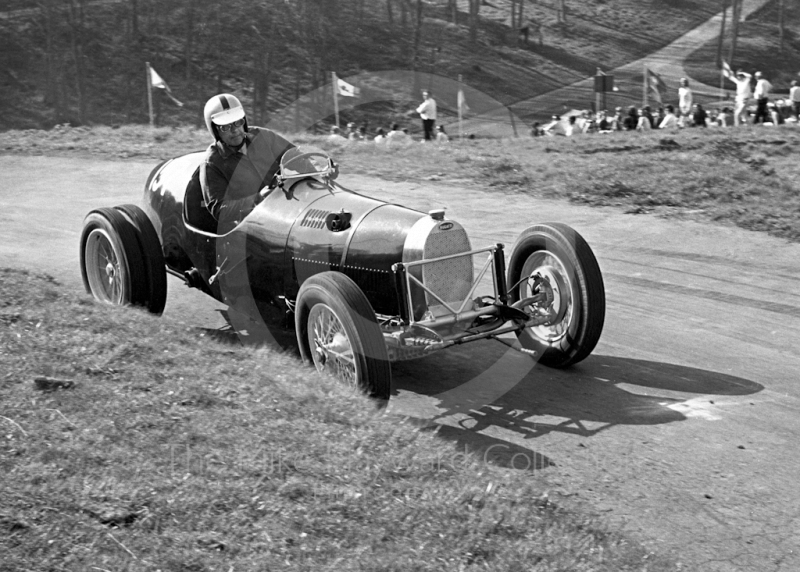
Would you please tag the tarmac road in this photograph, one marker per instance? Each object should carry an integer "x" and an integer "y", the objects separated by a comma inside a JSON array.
[{"x": 680, "y": 429}]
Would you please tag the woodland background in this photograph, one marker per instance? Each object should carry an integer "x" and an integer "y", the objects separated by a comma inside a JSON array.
[{"x": 83, "y": 61}]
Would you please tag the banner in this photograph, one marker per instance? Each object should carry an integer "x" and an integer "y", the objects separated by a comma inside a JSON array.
[
  {"x": 656, "y": 85},
  {"x": 157, "y": 81},
  {"x": 727, "y": 71},
  {"x": 346, "y": 89}
]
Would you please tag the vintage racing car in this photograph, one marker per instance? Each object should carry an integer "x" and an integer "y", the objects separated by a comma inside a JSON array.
[{"x": 361, "y": 281}]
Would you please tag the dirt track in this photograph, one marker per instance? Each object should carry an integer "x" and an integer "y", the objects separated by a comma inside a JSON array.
[{"x": 680, "y": 428}]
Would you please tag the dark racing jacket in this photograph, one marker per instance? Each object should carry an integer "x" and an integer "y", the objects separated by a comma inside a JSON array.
[{"x": 231, "y": 179}]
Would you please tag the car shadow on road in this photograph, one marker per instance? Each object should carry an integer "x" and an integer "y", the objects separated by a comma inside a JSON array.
[{"x": 486, "y": 385}]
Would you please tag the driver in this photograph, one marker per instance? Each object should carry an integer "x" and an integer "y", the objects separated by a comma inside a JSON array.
[{"x": 240, "y": 163}]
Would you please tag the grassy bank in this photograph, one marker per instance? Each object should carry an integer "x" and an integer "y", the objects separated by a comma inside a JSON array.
[
  {"x": 159, "y": 448},
  {"x": 745, "y": 177}
]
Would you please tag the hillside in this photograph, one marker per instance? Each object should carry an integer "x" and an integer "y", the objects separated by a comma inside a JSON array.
[{"x": 86, "y": 65}]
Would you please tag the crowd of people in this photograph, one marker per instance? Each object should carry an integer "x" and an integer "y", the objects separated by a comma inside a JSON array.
[{"x": 752, "y": 105}]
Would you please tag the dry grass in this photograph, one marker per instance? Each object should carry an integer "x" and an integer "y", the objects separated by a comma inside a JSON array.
[{"x": 173, "y": 451}]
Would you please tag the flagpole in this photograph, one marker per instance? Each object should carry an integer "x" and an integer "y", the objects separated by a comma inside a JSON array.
[
  {"x": 644, "y": 86},
  {"x": 459, "y": 105},
  {"x": 721, "y": 83},
  {"x": 335, "y": 87},
  {"x": 149, "y": 92}
]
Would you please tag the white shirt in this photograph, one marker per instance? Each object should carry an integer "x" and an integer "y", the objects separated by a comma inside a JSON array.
[
  {"x": 685, "y": 99},
  {"x": 743, "y": 92},
  {"x": 427, "y": 110},
  {"x": 670, "y": 120},
  {"x": 794, "y": 93},
  {"x": 763, "y": 87}
]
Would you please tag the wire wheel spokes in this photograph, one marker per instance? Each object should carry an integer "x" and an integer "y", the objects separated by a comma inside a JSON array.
[
  {"x": 550, "y": 268},
  {"x": 104, "y": 268},
  {"x": 331, "y": 347}
]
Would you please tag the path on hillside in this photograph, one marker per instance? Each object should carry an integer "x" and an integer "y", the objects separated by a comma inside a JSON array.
[
  {"x": 667, "y": 62},
  {"x": 680, "y": 428}
]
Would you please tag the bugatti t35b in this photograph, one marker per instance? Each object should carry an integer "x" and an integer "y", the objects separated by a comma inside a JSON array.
[{"x": 363, "y": 282}]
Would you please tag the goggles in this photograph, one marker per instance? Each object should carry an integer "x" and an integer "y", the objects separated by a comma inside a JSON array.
[{"x": 229, "y": 126}]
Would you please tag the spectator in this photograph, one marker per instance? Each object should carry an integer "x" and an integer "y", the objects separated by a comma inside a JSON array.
[
  {"x": 643, "y": 124},
  {"x": 658, "y": 115},
  {"x": 336, "y": 134},
  {"x": 396, "y": 136},
  {"x": 670, "y": 121},
  {"x": 573, "y": 128},
  {"x": 684, "y": 100},
  {"x": 649, "y": 114},
  {"x": 699, "y": 116},
  {"x": 761, "y": 94},
  {"x": 603, "y": 124},
  {"x": 794, "y": 97},
  {"x": 775, "y": 114},
  {"x": 536, "y": 129},
  {"x": 427, "y": 111},
  {"x": 555, "y": 127},
  {"x": 631, "y": 119},
  {"x": 726, "y": 118},
  {"x": 441, "y": 136},
  {"x": 380, "y": 136},
  {"x": 743, "y": 95},
  {"x": 352, "y": 133}
]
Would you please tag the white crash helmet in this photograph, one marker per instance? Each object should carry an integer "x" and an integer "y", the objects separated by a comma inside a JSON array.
[{"x": 221, "y": 110}]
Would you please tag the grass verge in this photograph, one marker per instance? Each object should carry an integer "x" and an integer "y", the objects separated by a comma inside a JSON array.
[{"x": 159, "y": 448}]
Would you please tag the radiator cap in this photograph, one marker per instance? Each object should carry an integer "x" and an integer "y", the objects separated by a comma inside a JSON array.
[{"x": 436, "y": 214}]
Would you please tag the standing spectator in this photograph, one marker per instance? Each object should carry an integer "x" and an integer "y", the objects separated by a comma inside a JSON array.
[
  {"x": 643, "y": 124},
  {"x": 699, "y": 116},
  {"x": 427, "y": 111},
  {"x": 794, "y": 97},
  {"x": 743, "y": 95},
  {"x": 441, "y": 136},
  {"x": 670, "y": 121},
  {"x": 761, "y": 93},
  {"x": 684, "y": 100}
]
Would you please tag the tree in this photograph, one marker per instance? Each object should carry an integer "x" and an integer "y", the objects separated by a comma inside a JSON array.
[
  {"x": 474, "y": 9},
  {"x": 781, "y": 10}
]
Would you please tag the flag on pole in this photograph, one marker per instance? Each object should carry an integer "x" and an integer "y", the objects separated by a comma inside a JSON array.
[
  {"x": 656, "y": 85},
  {"x": 157, "y": 81},
  {"x": 463, "y": 108},
  {"x": 726, "y": 70},
  {"x": 346, "y": 89}
]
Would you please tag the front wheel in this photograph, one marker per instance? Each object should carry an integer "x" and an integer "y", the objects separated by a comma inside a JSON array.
[
  {"x": 556, "y": 253},
  {"x": 112, "y": 265},
  {"x": 338, "y": 332}
]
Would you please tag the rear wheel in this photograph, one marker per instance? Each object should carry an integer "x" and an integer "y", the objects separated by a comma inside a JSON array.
[
  {"x": 153, "y": 257},
  {"x": 112, "y": 265},
  {"x": 556, "y": 253},
  {"x": 338, "y": 332}
]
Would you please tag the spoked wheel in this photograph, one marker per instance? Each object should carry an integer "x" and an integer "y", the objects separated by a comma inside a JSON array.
[
  {"x": 338, "y": 332},
  {"x": 112, "y": 266},
  {"x": 558, "y": 256}
]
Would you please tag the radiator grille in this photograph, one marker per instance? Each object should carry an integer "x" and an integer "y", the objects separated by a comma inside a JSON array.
[
  {"x": 451, "y": 279},
  {"x": 315, "y": 218}
]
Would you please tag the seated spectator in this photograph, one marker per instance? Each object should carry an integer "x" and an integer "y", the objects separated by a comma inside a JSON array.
[
  {"x": 670, "y": 120},
  {"x": 396, "y": 136},
  {"x": 555, "y": 127},
  {"x": 441, "y": 136},
  {"x": 536, "y": 129},
  {"x": 573, "y": 128},
  {"x": 643, "y": 123},
  {"x": 617, "y": 120},
  {"x": 631, "y": 119},
  {"x": 775, "y": 114},
  {"x": 699, "y": 116},
  {"x": 380, "y": 136},
  {"x": 336, "y": 134},
  {"x": 725, "y": 118},
  {"x": 658, "y": 115},
  {"x": 649, "y": 114},
  {"x": 352, "y": 133},
  {"x": 603, "y": 124}
]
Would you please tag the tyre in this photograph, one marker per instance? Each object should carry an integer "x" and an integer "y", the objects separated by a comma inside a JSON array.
[
  {"x": 112, "y": 265},
  {"x": 338, "y": 332},
  {"x": 154, "y": 265},
  {"x": 560, "y": 255}
]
